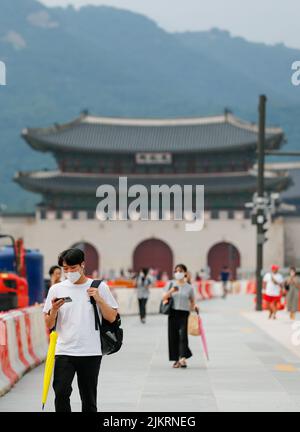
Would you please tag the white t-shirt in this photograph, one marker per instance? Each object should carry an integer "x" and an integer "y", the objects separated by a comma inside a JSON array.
[
  {"x": 77, "y": 335},
  {"x": 271, "y": 288}
]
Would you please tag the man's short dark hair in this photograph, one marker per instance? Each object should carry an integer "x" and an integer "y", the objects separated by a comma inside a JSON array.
[
  {"x": 71, "y": 257},
  {"x": 52, "y": 269}
]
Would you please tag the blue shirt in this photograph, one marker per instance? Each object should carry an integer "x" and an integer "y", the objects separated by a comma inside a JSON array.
[{"x": 225, "y": 276}]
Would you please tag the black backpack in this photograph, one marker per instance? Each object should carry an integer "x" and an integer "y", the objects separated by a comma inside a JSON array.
[{"x": 111, "y": 334}]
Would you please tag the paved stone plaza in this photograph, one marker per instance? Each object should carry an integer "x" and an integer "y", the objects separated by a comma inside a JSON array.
[{"x": 249, "y": 369}]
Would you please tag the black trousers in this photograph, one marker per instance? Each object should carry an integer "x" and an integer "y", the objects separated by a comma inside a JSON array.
[
  {"x": 178, "y": 335},
  {"x": 87, "y": 370},
  {"x": 142, "y": 307}
]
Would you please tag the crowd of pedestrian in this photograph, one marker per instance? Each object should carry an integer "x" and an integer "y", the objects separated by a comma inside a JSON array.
[{"x": 277, "y": 288}]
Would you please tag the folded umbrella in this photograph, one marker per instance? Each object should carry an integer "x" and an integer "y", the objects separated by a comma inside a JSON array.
[
  {"x": 203, "y": 337},
  {"x": 50, "y": 360}
]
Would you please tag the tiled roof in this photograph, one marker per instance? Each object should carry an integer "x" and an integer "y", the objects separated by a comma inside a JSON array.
[
  {"x": 99, "y": 134},
  {"x": 294, "y": 190},
  {"x": 56, "y": 182}
]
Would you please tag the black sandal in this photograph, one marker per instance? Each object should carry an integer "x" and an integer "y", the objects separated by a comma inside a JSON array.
[{"x": 176, "y": 365}]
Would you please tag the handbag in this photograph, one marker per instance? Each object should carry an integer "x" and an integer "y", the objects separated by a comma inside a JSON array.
[
  {"x": 165, "y": 307},
  {"x": 111, "y": 334},
  {"x": 193, "y": 325}
]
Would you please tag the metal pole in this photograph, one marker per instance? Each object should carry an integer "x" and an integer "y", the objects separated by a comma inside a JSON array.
[
  {"x": 280, "y": 153},
  {"x": 260, "y": 198}
]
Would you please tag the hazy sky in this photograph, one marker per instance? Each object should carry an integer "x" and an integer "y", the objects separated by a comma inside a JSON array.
[{"x": 269, "y": 21}]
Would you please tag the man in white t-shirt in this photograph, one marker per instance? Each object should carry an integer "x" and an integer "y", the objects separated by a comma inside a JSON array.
[
  {"x": 68, "y": 308},
  {"x": 272, "y": 285}
]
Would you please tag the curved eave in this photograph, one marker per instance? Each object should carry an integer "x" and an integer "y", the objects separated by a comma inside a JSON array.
[
  {"x": 154, "y": 122},
  {"x": 272, "y": 143},
  {"x": 43, "y": 139},
  {"x": 88, "y": 185}
]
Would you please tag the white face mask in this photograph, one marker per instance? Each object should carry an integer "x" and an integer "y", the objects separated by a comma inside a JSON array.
[
  {"x": 73, "y": 276},
  {"x": 179, "y": 275}
]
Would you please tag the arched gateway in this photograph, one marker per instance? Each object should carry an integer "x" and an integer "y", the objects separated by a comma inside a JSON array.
[
  {"x": 155, "y": 254},
  {"x": 223, "y": 254}
]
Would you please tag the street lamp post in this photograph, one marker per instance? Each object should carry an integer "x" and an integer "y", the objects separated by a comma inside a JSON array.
[
  {"x": 260, "y": 216},
  {"x": 264, "y": 205}
]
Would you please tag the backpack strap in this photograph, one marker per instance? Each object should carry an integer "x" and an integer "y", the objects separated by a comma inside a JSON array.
[{"x": 96, "y": 284}]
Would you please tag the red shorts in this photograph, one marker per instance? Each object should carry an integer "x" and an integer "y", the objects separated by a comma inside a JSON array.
[{"x": 271, "y": 299}]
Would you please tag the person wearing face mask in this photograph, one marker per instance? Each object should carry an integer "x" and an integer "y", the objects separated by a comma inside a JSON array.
[
  {"x": 68, "y": 308},
  {"x": 143, "y": 284},
  {"x": 55, "y": 277},
  {"x": 273, "y": 283},
  {"x": 183, "y": 296},
  {"x": 293, "y": 282}
]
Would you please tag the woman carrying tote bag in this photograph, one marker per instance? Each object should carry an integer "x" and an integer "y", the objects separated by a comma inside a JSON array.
[{"x": 183, "y": 301}]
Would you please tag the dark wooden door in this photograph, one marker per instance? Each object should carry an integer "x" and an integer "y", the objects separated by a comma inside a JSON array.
[
  {"x": 223, "y": 254},
  {"x": 155, "y": 254}
]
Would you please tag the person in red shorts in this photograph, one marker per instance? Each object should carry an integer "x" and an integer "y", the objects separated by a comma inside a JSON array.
[{"x": 273, "y": 285}]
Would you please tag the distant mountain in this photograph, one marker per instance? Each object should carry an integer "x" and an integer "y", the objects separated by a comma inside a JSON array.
[
  {"x": 269, "y": 67},
  {"x": 118, "y": 63}
]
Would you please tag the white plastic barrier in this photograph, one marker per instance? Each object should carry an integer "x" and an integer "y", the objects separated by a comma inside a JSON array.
[
  {"x": 21, "y": 331},
  {"x": 5, "y": 382},
  {"x": 217, "y": 289},
  {"x": 38, "y": 331},
  {"x": 244, "y": 285},
  {"x": 23, "y": 344},
  {"x": 128, "y": 302},
  {"x": 13, "y": 345},
  {"x": 235, "y": 287}
]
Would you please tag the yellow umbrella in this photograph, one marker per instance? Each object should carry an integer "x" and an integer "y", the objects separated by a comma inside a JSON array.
[{"x": 49, "y": 366}]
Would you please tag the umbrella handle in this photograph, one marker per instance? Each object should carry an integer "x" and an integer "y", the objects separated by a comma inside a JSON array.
[{"x": 197, "y": 311}]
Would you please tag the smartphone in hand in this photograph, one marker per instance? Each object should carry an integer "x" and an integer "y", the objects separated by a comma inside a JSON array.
[{"x": 66, "y": 299}]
